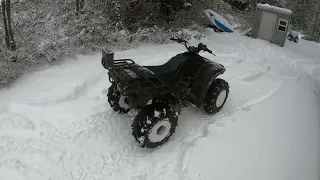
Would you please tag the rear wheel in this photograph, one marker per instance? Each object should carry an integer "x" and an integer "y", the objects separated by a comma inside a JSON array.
[
  {"x": 216, "y": 96},
  {"x": 154, "y": 125},
  {"x": 117, "y": 102}
]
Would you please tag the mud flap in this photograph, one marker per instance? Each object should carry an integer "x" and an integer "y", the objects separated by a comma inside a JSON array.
[{"x": 177, "y": 108}]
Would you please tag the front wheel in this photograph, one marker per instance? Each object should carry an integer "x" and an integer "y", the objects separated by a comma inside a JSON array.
[
  {"x": 154, "y": 125},
  {"x": 216, "y": 96}
]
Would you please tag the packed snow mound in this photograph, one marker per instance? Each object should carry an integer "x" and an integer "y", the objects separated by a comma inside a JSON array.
[
  {"x": 56, "y": 124},
  {"x": 316, "y": 75}
]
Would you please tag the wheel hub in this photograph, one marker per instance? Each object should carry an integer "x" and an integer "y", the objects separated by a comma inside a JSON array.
[
  {"x": 123, "y": 102},
  {"x": 221, "y": 98},
  {"x": 160, "y": 131}
]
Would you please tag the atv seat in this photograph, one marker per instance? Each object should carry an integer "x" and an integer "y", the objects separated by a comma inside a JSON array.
[{"x": 170, "y": 67}]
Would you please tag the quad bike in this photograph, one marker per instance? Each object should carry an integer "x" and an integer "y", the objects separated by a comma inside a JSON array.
[{"x": 158, "y": 93}]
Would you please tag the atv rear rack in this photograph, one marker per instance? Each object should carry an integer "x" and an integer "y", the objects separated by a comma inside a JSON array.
[
  {"x": 129, "y": 84},
  {"x": 108, "y": 61},
  {"x": 123, "y": 63},
  {"x": 130, "y": 77}
]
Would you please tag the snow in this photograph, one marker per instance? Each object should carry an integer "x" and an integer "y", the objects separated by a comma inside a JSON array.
[
  {"x": 157, "y": 114},
  {"x": 57, "y": 124},
  {"x": 270, "y": 140},
  {"x": 316, "y": 76},
  {"x": 275, "y": 8}
]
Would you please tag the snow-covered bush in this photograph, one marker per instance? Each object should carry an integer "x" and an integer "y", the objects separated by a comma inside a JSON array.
[{"x": 48, "y": 31}]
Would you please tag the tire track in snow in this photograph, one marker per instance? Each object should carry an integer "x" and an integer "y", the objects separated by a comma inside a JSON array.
[
  {"x": 203, "y": 131},
  {"x": 54, "y": 141},
  {"x": 17, "y": 118},
  {"x": 107, "y": 164},
  {"x": 78, "y": 91},
  {"x": 188, "y": 142},
  {"x": 13, "y": 147},
  {"x": 105, "y": 167},
  {"x": 251, "y": 76},
  {"x": 83, "y": 88},
  {"x": 12, "y": 120},
  {"x": 21, "y": 167},
  {"x": 184, "y": 158}
]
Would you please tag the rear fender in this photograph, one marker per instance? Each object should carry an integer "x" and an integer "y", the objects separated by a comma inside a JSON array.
[{"x": 203, "y": 81}]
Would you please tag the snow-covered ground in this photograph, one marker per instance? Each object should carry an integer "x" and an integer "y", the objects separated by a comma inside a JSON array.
[{"x": 56, "y": 124}]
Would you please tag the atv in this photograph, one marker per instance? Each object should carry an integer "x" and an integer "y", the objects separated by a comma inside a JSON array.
[{"x": 158, "y": 93}]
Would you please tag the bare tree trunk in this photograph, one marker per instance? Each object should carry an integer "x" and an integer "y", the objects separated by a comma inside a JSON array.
[
  {"x": 79, "y": 6},
  {"x": 7, "y": 25},
  {"x": 11, "y": 38},
  {"x": 316, "y": 20},
  {"x": 253, "y": 4},
  {"x": 4, "y": 15}
]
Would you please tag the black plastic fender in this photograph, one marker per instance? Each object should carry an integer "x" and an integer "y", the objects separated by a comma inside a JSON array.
[{"x": 203, "y": 81}]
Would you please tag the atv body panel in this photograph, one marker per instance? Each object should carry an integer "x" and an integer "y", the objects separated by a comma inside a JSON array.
[
  {"x": 206, "y": 75},
  {"x": 194, "y": 77},
  {"x": 186, "y": 75}
]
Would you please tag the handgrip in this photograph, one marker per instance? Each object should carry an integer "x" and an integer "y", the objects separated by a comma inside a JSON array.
[{"x": 178, "y": 40}]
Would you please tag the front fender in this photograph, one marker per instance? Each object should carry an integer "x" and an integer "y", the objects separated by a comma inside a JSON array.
[{"x": 202, "y": 82}]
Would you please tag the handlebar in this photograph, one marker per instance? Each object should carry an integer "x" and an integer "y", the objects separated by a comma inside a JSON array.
[
  {"x": 192, "y": 49},
  {"x": 178, "y": 40}
]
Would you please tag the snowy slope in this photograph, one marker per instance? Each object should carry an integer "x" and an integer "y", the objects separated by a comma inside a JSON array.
[{"x": 57, "y": 124}]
